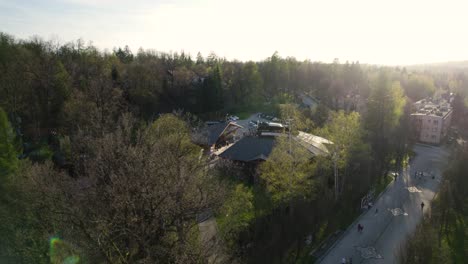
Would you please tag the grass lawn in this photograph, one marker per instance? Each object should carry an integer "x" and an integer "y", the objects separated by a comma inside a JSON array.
[{"x": 245, "y": 112}]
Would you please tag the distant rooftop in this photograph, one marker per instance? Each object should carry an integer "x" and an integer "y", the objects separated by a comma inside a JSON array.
[{"x": 427, "y": 107}]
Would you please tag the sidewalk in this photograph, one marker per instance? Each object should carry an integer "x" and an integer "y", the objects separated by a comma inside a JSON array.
[{"x": 398, "y": 214}]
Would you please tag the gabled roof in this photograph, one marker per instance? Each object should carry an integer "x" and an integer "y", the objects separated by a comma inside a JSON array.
[
  {"x": 250, "y": 148},
  {"x": 216, "y": 130},
  {"x": 314, "y": 144},
  {"x": 308, "y": 100}
]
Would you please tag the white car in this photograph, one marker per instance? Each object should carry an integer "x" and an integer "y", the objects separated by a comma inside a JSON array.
[{"x": 253, "y": 124}]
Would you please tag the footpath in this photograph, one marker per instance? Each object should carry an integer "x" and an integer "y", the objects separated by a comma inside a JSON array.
[{"x": 398, "y": 213}]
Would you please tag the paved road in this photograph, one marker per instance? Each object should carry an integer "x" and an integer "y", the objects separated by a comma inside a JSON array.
[{"x": 399, "y": 212}]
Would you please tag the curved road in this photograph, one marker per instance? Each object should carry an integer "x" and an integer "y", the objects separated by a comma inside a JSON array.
[{"x": 399, "y": 212}]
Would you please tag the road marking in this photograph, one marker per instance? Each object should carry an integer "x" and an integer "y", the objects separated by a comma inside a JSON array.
[
  {"x": 368, "y": 252},
  {"x": 397, "y": 212},
  {"x": 413, "y": 189}
]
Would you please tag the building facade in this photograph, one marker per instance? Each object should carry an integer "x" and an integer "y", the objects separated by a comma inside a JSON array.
[{"x": 431, "y": 121}]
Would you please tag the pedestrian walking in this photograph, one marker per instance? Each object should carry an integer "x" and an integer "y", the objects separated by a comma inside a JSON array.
[
  {"x": 422, "y": 206},
  {"x": 343, "y": 261},
  {"x": 350, "y": 261},
  {"x": 360, "y": 228},
  {"x": 376, "y": 210}
]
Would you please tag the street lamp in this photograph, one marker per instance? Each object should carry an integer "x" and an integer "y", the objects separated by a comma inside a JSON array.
[{"x": 335, "y": 172}]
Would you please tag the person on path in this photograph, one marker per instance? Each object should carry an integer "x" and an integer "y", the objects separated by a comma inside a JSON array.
[
  {"x": 350, "y": 261},
  {"x": 343, "y": 261},
  {"x": 360, "y": 228},
  {"x": 422, "y": 206}
]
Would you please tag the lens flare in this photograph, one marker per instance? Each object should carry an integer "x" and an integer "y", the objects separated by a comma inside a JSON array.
[{"x": 62, "y": 252}]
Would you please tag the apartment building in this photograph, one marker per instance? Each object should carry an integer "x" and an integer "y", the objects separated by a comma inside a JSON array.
[{"x": 431, "y": 120}]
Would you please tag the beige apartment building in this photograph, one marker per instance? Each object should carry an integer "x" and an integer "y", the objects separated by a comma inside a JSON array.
[{"x": 431, "y": 121}]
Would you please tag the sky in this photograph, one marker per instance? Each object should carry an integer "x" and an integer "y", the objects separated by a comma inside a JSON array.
[{"x": 389, "y": 32}]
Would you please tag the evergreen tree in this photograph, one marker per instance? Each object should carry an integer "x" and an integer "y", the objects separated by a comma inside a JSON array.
[
  {"x": 212, "y": 91},
  {"x": 125, "y": 55},
  {"x": 8, "y": 153},
  {"x": 218, "y": 88},
  {"x": 200, "y": 59},
  {"x": 385, "y": 109}
]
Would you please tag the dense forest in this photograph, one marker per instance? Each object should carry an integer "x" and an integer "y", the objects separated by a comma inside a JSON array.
[{"x": 98, "y": 165}]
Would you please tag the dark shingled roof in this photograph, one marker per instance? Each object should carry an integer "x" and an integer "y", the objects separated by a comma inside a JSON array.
[
  {"x": 250, "y": 148},
  {"x": 214, "y": 131}
]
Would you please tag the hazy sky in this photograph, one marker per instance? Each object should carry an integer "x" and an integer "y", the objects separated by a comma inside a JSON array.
[{"x": 371, "y": 31}]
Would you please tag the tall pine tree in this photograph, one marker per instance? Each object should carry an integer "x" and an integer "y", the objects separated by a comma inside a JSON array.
[{"x": 8, "y": 153}]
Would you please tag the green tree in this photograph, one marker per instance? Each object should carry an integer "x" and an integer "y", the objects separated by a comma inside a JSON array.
[
  {"x": 217, "y": 83},
  {"x": 385, "y": 109},
  {"x": 212, "y": 91},
  {"x": 23, "y": 237},
  {"x": 252, "y": 84},
  {"x": 288, "y": 172},
  {"x": 8, "y": 151},
  {"x": 125, "y": 55},
  {"x": 290, "y": 114},
  {"x": 419, "y": 87},
  {"x": 237, "y": 214},
  {"x": 135, "y": 194},
  {"x": 200, "y": 59},
  {"x": 346, "y": 133},
  {"x": 320, "y": 115}
]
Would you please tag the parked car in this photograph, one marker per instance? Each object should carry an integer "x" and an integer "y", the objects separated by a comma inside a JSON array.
[
  {"x": 233, "y": 118},
  {"x": 253, "y": 124},
  {"x": 274, "y": 119}
]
